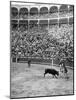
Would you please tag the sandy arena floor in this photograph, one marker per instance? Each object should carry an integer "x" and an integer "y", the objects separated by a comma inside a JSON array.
[{"x": 30, "y": 82}]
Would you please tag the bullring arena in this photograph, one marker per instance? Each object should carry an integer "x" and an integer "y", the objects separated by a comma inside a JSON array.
[{"x": 44, "y": 34}]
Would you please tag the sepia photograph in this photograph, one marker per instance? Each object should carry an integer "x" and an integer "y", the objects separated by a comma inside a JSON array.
[{"x": 41, "y": 49}]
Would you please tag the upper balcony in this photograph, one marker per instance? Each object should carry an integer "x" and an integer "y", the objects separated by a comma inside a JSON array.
[{"x": 42, "y": 13}]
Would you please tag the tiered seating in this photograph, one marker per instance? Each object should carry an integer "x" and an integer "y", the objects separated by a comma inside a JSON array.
[
  {"x": 37, "y": 34},
  {"x": 26, "y": 44}
]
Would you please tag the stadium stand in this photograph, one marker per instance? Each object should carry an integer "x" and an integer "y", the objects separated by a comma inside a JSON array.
[{"x": 37, "y": 33}]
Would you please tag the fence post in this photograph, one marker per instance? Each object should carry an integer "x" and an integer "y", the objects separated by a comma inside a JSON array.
[{"x": 52, "y": 62}]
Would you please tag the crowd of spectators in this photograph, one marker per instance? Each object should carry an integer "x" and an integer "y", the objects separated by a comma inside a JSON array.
[
  {"x": 40, "y": 42},
  {"x": 49, "y": 15},
  {"x": 23, "y": 16},
  {"x": 40, "y": 16}
]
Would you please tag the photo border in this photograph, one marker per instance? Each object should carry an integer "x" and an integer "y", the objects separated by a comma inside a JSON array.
[{"x": 73, "y": 50}]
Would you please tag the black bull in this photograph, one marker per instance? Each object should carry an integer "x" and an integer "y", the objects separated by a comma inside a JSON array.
[{"x": 51, "y": 71}]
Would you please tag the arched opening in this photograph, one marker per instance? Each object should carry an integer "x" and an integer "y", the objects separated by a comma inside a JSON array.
[
  {"x": 63, "y": 8},
  {"x": 43, "y": 24},
  {"x": 53, "y": 22},
  {"x": 53, "y": 9},
  {"x": 14, "y": 25},
  {"x": 23, "y": 25},
  {"x": 53, "y": 27},
  {"x": 33, "y": 26},
  {"x": 71, "y": 21},
  {"x": 63, "y": 11},
  {"x": 23, "y": 13},
  {"x": 71, "y": 10},
  {"x": 14, "y": 12},
  {"x": 43, "y": 10},
  {"x": 34, "y": 11},
  {"x": 63, "y": 21}
]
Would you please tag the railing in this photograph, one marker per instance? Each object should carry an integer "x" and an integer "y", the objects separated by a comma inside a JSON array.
[
  {"x": 44, "y": 16},
  {"x": 38, "y": 60}
]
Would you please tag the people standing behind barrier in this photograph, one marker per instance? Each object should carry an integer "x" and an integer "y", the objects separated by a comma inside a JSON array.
[
  {"x": 63, "y": 68},
  {"x": 29, "y": 63}
]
